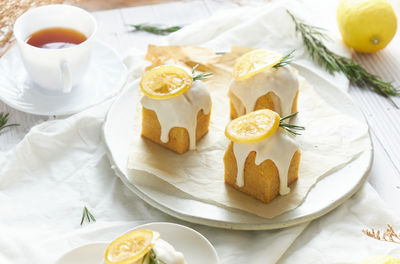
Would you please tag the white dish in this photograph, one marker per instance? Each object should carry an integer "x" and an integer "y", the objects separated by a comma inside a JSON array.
[
  {"x": 194, "y": 246},
  {"x": 101, "y": 81},
  {"x": 326, "y": 195}
]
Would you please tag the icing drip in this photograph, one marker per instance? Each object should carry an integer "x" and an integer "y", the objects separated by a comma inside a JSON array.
[
  {"x": 282, "y": 81},
  {"x": 181, "y": 111},
  {"x": 280, "y": 148}
]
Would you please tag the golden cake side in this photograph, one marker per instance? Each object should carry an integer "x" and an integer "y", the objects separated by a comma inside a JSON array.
[
  {"x": 178, "y": 136},
  {"x": 260, "y": 181}
]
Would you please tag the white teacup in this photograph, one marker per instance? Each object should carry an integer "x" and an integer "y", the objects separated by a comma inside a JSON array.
[{"x": 55, "y": 69}]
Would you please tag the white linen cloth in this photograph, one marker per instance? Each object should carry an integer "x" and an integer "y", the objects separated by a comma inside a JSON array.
[{"x": 61, "y": 165}]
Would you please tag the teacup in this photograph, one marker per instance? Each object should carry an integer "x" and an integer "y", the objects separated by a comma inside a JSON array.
[{"x": 55, "y": 69}]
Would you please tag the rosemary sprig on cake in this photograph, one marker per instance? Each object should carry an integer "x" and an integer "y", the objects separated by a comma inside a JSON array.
[
  {"x": 4, "y": 121},
  {"x": 155, "y": 29},
  {"x": 199, "y": 76},
  {"x": 290, "y": 127},
  {"x": 87, "y": 215},
  {"x": 312, "y": 38},
  {"x": 287, "y": 59}
]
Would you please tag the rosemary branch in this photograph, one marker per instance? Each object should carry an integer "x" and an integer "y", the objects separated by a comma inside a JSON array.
[
  {"x": 199, "y": 76},
  {"x": 290, "y": 127},
  {"x": 312, "y": 38},
  {"x": 4, "y": 121},
  {"x": 287, "y": 59},
  {"x": 87, "y": 215},
  {"x": 155, "y": 29},
  {"x": 153, "y": 258}
]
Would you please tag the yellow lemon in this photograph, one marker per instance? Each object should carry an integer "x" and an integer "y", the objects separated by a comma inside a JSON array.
[
  {"x": 131, "y": 247},
  {"x": 380, "y": 260},
  {"x": 366, "y": 25},
  {"x": 165, "y": 82},
  {"x": 253, "y": 127},
  {"x": 254, "y": 62}
]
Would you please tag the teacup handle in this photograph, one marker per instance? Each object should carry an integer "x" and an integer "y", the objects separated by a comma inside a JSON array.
[{"x": 65, "y": 77}]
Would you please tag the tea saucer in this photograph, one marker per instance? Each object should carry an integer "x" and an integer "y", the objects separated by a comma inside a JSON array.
[
  {"x": 102, "y": 80},
  {"x": 194, "y": 246}
]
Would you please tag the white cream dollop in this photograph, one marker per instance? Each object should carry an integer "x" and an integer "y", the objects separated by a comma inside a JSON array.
[
  {"x": 282, "y": 81},
  {"x": 167, "y": 253},
  {"x": 181, "y": 110},
  {"x": 279, "y": 148}
]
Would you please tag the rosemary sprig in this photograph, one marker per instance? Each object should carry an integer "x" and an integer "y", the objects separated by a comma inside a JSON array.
[
  {"x": 312, "y": 38},
  {"x": 87, "y": 215},
  {"x": 4, "y": 121},
  {"x": 155, "y": 29},
  {"x": 290, "y": 127},
  {"x": 199, "y": 76},
  {"x": 153, "y": 258},
  {"x": 287, "y": 59}
]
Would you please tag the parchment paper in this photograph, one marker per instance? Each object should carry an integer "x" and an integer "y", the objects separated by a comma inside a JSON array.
[{"x": 331, "y": 140}]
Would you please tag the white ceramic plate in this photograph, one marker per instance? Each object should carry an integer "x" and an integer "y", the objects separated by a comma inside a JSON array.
[
  {"x": 195, "y": 247},
  {"x": 326, "y": 195},
  {"x": 101, "y": 81}
]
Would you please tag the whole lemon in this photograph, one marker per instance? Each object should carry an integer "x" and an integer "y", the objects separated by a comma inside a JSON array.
[
  {"x": 366, "y": 25},
  {"x": 380, "y": 260}
]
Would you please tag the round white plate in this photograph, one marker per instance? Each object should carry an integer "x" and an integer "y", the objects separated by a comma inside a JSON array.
[
  {"x": 101, "y": 81},
  {"x": 195, "y": 247},
  {"x": 326, "y": 195}
]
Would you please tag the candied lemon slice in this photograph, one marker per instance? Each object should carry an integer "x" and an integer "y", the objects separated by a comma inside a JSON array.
[
  {"x": 380, "y": 260},
  {"x": 131, "y": 247},
  {"x": 253, "y": 127},
  {"x": 254, "y": 62},
  {"x": 165, "y": 82}
]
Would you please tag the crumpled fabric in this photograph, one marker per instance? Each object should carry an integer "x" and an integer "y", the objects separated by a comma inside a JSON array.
[{"x": 60, "y": 167}]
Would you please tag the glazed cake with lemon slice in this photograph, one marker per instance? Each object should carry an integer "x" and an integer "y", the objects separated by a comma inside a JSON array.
[
  {"x": 263, "y": 80},
  {"x": 142, "y": 247},
  {"x": 262, "y": 158},
  {"x": 176, "y": 107}
]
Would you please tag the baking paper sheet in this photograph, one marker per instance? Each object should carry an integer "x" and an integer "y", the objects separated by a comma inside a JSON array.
[{"x": 330, "y": 141}]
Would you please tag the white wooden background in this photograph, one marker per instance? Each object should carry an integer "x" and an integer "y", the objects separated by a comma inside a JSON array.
[{"x": 383, "y": 118}]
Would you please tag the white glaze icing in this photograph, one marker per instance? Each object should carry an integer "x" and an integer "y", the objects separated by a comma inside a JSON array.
[
  {"x": 181, "y": 110},
  {"x": 279, "y": 148},
  {"x": 282, "y": 81}
]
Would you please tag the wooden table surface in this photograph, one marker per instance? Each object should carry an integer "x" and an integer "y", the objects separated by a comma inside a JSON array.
[{"x": 383, "y": 117}]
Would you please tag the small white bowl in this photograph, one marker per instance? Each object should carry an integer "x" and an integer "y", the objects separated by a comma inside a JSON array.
[{"x": 194, "y": 246}]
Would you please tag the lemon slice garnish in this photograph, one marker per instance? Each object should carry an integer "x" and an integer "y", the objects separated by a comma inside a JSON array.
[
  {"x": 380, "y": 260},
  {"x": 253, "y": 127},
  {"x": 254, "y": 62},
  {"x": 165, "y": 82},
  {"x": 130, "y": 247}
]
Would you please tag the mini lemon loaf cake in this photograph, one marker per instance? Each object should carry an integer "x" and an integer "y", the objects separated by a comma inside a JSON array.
[
  {"x": 176, "y": 107},
  {"x": 142, "y": 247},
  {"x": 263, "y": 80},
  {"x": 262, "y": 159}
]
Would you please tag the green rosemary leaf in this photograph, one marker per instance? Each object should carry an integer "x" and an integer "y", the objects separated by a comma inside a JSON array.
[
  {"x": 287, "y": 59},
  {"x": 87, "y": 215},
  {"x": 292, "y": 129},
  {"x": 155, "y": 29},
  {"x": 312, "y": 39},
  {"x": 199, "y": 76},
  {"x": 4, "y": 121},
  {"x": 153, "y": 258}
]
